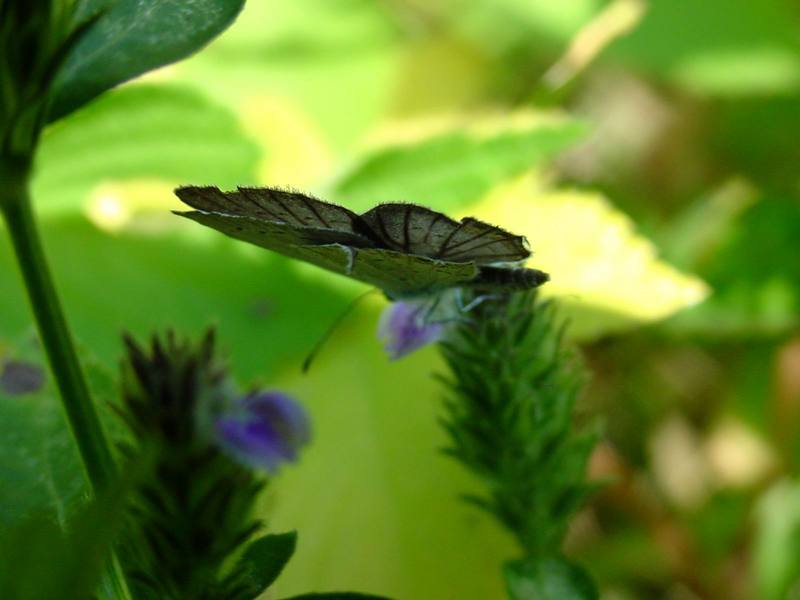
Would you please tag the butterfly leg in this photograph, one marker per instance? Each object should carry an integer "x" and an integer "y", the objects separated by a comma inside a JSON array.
[
  {"x": 426, "y": 317},
  {"x": 453, "y": 303},
  {"x": 475, "y": 302}
]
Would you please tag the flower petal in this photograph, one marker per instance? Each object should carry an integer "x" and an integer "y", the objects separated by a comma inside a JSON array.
[
  {"x": 404, "y": 328},
  {"x": 264, "y": 430}
]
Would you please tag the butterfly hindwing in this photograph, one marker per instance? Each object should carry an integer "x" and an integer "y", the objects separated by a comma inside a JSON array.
[
  {"x": 483, "y": 244},
  {"x": 419, "y": 230},
  {"x": 398, "y": 274},
  {"x": 402, "y": 275},
  {"x": 409, "y": 228}
]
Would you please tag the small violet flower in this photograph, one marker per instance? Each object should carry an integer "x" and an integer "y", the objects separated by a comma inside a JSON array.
[
  {"x": 405, "y": 328},
  {"x": 17, "y": 378},
  {"x": 263, "y": 430}
]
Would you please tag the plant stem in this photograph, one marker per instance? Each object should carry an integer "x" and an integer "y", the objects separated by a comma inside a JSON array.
[
  {"x": 55, "y": 336},
  {"x": 82, "y": 417}
]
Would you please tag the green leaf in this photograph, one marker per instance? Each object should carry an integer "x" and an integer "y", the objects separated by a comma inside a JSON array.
[
  {"x": 750, "y": 50},
  {"x": 39, "y": 454},
  {"x": 268, "y": 310},
  {"x": 265, "y": 558},
  {"x": 755, "y": 137},
  {"x": 450, "y": 169},
  {"x": 548, "y": 578},
  {"x": 403, "y": 531},
  {"x": 153, "y": 132},
  {"x": 40, "y": 561},
  {"x": 749, "y": 298},
  {"x": 775, "y": 563},
  {"x": 132, "y": 37},
  {"x": 540, "y": 28},
  {"x": 609, "y": 277},
  {"x": 41, "y": 458},
  {"x": 337, "y": 596},
  {"x": 335, "y": 62}
]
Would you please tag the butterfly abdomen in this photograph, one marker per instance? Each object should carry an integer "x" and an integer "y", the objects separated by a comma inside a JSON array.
[{"x": 510, "y": 278}]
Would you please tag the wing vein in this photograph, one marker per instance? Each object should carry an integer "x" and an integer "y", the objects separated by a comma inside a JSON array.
[
  {"x": 311, "y": 207},
  {"x": 383, "y": 229},
  {"x": 476, "y": 247},
  {"x": 255, "y": 199},
  {"x": 472, "y": 239},
  {"x": 446, "y": 240},
  {"x": 430, "y": 227},
  {"x": 286, "y": 208}
]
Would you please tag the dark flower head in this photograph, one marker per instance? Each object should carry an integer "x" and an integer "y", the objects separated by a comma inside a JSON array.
[
  {"x": 405, "y": 327},
  {"x": 263, "y": 430}
]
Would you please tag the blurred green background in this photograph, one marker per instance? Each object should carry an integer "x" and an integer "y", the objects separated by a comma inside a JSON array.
[{"x": 648, "y": 150}]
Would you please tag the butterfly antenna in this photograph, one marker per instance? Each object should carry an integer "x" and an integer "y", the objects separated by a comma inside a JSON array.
[{"x": 333, "y": 326}]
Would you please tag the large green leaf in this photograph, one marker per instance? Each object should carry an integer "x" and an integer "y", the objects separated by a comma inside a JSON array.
[
  {"x": 39, "y": 466},
  {"x": 143, "y": 131},
  {"x": 608, "y": 275},
  {"x": 332, "y": 61},
  {"x": 40, "y": 561},
  {"x": 266, "y": 310},
  {"x": 376, "y": 503},
  {"x": 710, "y": 48},
  {"x": 448, "y": 170},
  {"x": 131, "y": 37}
]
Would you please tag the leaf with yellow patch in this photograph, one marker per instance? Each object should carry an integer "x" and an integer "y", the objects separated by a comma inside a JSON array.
[{"x": 607, "y": 275}]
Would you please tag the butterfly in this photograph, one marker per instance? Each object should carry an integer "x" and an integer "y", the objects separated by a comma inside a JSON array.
[{"x": 406, "y": 250}]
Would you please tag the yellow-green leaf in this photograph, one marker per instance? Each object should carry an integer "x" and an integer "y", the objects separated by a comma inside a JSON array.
[{"x": 597, "y": 261}]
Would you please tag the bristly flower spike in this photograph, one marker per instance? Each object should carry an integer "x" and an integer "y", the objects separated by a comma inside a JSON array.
[
  {"x": 511, "y": 392},
  {"x": 203, "y": 439}
]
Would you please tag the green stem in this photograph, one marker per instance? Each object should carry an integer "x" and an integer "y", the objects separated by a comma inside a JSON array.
[
  {"x": 55, "y": 336},
  {"x": 82, "y": 417}
]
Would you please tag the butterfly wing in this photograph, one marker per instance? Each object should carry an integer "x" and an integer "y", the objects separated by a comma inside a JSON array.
[
  {"x": 303, "y": 219},
  {"x": 425, "y": 232},
  {"x": 294, "y": 208},
  {"x": 399, "y": 275},
  {"x": 404, "y": 249},
  {"x": 402, "y": 275}
]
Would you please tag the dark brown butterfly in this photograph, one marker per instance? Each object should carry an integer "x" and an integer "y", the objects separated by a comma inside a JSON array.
[{"x": 406, "y": 250}]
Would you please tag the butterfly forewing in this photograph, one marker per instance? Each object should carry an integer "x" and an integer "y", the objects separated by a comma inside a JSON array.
[
  {"x": 299, "y": 209},
  {"x": 211, "y": 199},
  {"x": 418, "y": 230},
  {"x": 276, "y": 207}
]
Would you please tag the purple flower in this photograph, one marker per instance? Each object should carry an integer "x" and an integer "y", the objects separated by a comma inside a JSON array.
[
  {"x": 17, "y": 378},
  {"x": 263, "y": 430},
  {"x": 404, "y": 327}
]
